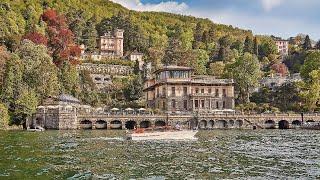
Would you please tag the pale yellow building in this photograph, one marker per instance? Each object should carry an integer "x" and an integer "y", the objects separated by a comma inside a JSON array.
[{"x": 111, "y": 44}]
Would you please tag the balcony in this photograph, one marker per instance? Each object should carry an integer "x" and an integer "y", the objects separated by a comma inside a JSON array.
[{"x": 203, "y": 95}]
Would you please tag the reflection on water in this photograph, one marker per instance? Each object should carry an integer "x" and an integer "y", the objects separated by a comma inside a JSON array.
[{"x": 231, "y": 154}]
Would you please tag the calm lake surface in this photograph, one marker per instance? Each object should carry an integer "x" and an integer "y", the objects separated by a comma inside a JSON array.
[{"x": 230, "y": 154}]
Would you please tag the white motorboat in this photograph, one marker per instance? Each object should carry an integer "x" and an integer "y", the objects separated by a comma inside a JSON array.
[
  {"x": 167, "y": 135},
  {"x": 36, "y": 129}
]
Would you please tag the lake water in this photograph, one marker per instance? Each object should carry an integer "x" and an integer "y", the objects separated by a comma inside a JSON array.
[{"x": 230, "y": 154}]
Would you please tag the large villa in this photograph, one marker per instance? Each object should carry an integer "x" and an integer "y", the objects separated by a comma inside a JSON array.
[{"x": 175, "y": 89}]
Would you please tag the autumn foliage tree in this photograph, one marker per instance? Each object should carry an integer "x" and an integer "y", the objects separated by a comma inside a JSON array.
[
  {"x": 280, "y": 68},
  {"x": 36, "y": 38},
  {"x": 60, "y": 38}
]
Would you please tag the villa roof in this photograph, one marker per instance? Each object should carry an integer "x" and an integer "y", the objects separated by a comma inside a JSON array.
[
  {"x": 173, "y": 67},
  {"x": 68, "y": 98}
]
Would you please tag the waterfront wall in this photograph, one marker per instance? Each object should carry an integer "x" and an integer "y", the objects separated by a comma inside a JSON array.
[{"x": 61, "y": 117}]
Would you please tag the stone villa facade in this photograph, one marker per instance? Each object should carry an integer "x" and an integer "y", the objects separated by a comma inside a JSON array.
[
  {"x": 174, "y": 89},
  {"x": 282, "y": 46},
  {"x": 110, "y": 46}
]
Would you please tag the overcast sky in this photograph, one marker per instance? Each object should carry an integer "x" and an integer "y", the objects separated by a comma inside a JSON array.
[{"x": 283, "y": 18}]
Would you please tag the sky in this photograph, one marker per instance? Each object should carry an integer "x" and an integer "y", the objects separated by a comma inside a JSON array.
[{"x": 283, "y": 18}]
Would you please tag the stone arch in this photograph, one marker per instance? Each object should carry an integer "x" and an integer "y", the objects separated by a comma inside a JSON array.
[
  {"x": 210, "y": 124},
  {"x": 145, "y": 124},
  {"x": 131, "y": 124},
  {"x": 194, "y": 123},
  {"x": 221, "y": 124},
  {"x": 39, "y": 121},
  {"x": 270, "y": 124},
  {"x": 160, "y": 123},
  {"x": 101, "y": 124},
  {"x": 116, "y": 124},
  {"x": 238, "y": 123},
  {"x": 86, "y": 124},
  {"x": 231, "y": 123},
  {"x": 296, "y": 123},
  {"x": 203, "y": 124},
  {"x": 284, "y": 124}
]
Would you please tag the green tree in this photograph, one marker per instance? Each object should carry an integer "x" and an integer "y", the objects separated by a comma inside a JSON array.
[
  {"x": 69, "y": 79},
  {"x": 216, "y": 69},
  {"x": 133, "y": 90},
  {"x": 267, "y": 47},
  {"x": 317, "y": 46},
  {"x": 173, "y": 52},
  {"x": 262, "y": 96},
  {"x": 88, "y": 93},
  {"x": 246, "y": 73},
  {"x": 211, "y": 34},
  {"x": 311, "y": 63},
  {"x": 255, "y": 47},
  {"x": 25, "y": 107},
  {"x": 4, "y": 56},
  {"x": 39, "y": 73},
  {"x": 156, "y": 51},
  {"x": 238, "y": 45},
  {"x": 90, "y": 35},
  {"x": 200, "y": 64},
  {"x": 186, "y": 38},
  {"x": 295, "y": 61},
  {"x": 224, "y": 51},
  {"x": 198, "y": 32},
  {"x": 310, "y": 91},
  {"x": 307, "y": 43},
  {"x": 286, "y": 97},
  {"x": 248, "y": 45},
  {"x": 136, "y": 68},
  {"x": 4, "y": 116},
  {"x": 13, "y": 81},
  {"x": 77, "y": 23},
  {"x": 12, "y": 27}
]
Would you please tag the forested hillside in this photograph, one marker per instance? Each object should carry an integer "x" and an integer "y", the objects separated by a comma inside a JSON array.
[{"x": 40, "y": 47}]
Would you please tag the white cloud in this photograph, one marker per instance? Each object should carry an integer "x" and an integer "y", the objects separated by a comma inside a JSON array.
[
  {"x": 268, "y": 5},
  {"x": 266, "y": 25},
  {"x": 169, "y": 6}
]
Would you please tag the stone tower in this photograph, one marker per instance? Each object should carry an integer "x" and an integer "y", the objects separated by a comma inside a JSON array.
[
  {"x": 111, "y": 44},
  {"x": 118, "y": 35}
]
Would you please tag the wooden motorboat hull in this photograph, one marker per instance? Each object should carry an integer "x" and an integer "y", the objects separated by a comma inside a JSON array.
[{"x": 169, "y": 135}]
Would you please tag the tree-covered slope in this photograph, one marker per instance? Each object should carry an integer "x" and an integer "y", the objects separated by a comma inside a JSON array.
[{"x": 19, "y": 16}]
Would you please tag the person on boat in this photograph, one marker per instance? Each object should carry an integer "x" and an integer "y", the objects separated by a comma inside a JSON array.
[{"x": 178, "y": 127}]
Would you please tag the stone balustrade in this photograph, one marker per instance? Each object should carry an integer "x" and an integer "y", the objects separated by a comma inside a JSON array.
[{"x": 106, "y": 69}]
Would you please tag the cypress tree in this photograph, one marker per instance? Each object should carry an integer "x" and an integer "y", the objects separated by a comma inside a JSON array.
[
  {"x": 307, "y": 43},
  {"x": 255, "y": 46},
  {"x": 197, "y": 36},
  {"x": 248, "y": 45},
  {"x": 136, "y": 68},
  {"x": 211, "y": 34},
  {"x": 318, "y": 45}
]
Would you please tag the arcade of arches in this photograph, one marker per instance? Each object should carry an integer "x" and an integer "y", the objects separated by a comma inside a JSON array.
[{"x": 131, "y": 124}]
